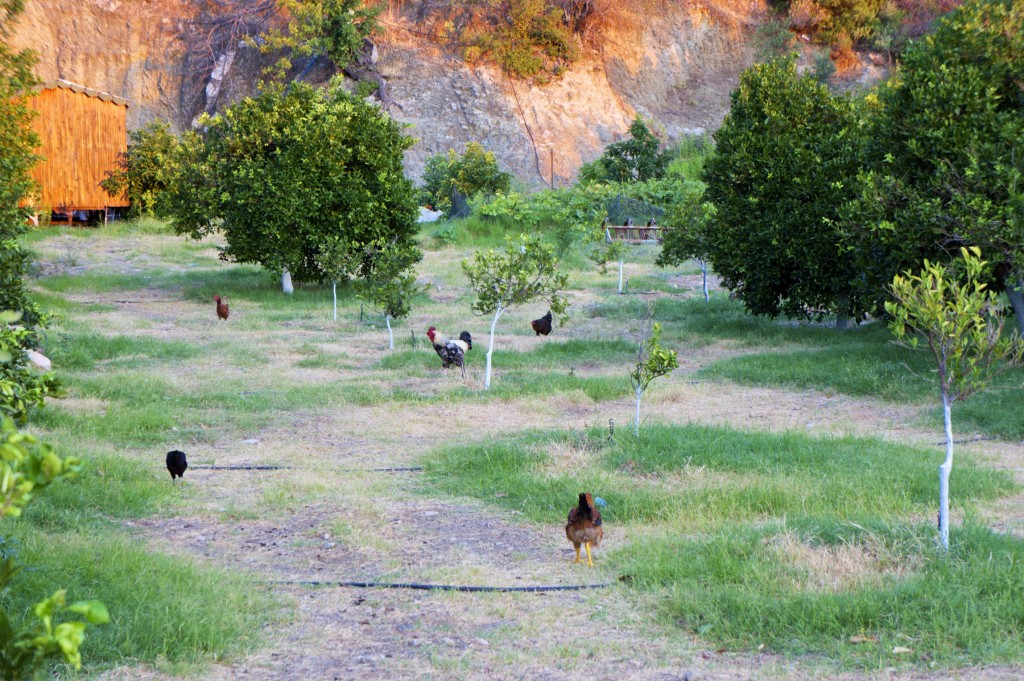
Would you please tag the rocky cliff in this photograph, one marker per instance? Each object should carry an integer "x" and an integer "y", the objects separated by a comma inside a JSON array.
[{"x": 675, "y": 67}]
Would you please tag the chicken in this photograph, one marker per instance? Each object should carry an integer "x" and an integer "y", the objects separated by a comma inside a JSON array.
[
  {"x": 451, "y": 351},
  {"x": 222, "y": 308},
  {"x": 543, "y": 325},
  {"x": 652, "y": 223},
  {"x": 176, "y": 464},
  {"x": 584, "y": 526}
]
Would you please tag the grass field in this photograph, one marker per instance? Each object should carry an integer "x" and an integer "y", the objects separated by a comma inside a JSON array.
[{"x": 779, "y": 500}]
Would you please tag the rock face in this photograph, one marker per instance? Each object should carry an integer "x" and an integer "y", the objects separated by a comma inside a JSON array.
[{"x": 675, "y": 69}]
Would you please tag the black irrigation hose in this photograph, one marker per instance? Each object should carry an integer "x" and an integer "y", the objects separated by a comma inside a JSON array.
[
  {"x": 441, "y": 587},
  {"x": 240, "y": 468},
  {"x": 399, "y": 469}
]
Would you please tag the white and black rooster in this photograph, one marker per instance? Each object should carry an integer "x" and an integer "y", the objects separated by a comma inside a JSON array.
[{"x": 451, "y": 351}]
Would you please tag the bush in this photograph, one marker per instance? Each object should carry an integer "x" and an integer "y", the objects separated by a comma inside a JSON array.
[{"x": 527, "y": 38}]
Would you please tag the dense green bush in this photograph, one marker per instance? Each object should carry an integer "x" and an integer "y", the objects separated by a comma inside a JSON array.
[
  {"x": 474, "y": 172},
  {"x": 146, "y": 170},
  {"x": 283, "y": 174}
]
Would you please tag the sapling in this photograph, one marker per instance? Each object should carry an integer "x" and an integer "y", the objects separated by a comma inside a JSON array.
[
  {"x": 652, "y": 361},
  {"x": 603, "y": 249},
  {"x": 526, "y": 269},
  {"x": 963, "y": 325},
  {"x": 388, "y": 281}
]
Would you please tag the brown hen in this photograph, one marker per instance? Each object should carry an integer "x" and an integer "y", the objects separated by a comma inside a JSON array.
[{"x": 584, "y": 526}]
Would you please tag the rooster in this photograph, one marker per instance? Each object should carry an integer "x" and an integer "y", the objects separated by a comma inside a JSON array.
[
  {"x": 451, "y": 351},
  {"x": 584, "y": 526},
  {"x": 176, "y": 464},
  {"x": 543, "y": 325},
  {"x": 222, "y": 308}
]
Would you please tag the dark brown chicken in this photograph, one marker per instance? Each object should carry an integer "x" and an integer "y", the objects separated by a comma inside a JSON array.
[
  {"x": 543, "y": 325},
  {"x": 222, "y": 308},
  {"x": 584, "y": 526}
]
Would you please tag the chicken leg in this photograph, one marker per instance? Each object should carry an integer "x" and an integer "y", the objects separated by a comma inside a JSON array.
[
  {"x": 590, "y": 561},
  {"x": 577, "y": 547}
]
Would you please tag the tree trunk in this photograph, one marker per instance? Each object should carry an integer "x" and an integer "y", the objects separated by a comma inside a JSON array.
[
  {"x": 490, "y": 349},
  {"x": 334, "y": 294},
  {"x": 842, "y": 317},
  {"x": 1015, "y": 292},
  {"x": 620, "y": 276},
  {"x": 391, "y": 336},
  {"x": 286, "y": 281},
  {"x": 639, "y": 394},
  {"x": 704, "y": 272},
  {"x": 944, "y": 471}
]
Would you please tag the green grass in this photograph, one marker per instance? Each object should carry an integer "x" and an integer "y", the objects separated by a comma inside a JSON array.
[
  {"x": 162, "y": 608},
  {"x": 711, "y": 509},
  {"x": 78, "y": 350},
  {"x": 728, "y": 475},
  {"x": 738, "y": 590},
  {"x": 555, "y": 354}
]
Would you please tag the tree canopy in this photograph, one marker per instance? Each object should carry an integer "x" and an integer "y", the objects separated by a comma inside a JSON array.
[
  {"x": 17, "y": 156},
  {"x": 637, "y": 159},
  {"x": 945, "y": 167},
  {"x": 786, "y": 156},
  {"x": 288, "y": 172}
]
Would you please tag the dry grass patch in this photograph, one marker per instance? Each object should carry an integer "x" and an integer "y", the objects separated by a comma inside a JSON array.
[{"x": 839, "y": 568}]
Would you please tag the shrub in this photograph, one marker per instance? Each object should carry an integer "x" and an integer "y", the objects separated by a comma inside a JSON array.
[
  {"x": 146, "y": 170},
  {"x": 475, "y": 171}
]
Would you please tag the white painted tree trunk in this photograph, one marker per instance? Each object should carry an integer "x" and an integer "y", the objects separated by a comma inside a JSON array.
[
  {"x": 944, "y": 471},
  {"x": 704, "y": 271},
  {"x": 620, "y": 276},
  {"x": 391, "y": 336},
  {"x": 286, "y": 281},
  {"x": 639, "y": 394},
  {"x": 1015, "y": 292},
  {"x": 334, "y": 295},
  {"x": 490, "y": 349}
]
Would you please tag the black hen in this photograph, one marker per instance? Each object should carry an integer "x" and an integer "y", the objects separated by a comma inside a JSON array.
[
  {"x": 176, "y": 464},
  {"x": 543, "y": 325}
]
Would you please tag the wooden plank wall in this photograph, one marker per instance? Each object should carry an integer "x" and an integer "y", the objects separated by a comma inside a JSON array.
[{"x": 82, "y": 139}]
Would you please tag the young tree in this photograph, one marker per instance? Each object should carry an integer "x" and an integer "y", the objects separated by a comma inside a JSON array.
[
  {"x": 285, "y": 174},
  {"x": 146, "y": 169},
  {"x": 785, "y": 160},
  {"x": 637, "y": 159},
  {"x": 689, "y": 221},
  {"x": 652, "y": 361},
  {"x": 389, "y": 281},
  {"x": 525, "y": 270},
  {"x": 475, "y": 171},
  {"x": 603, "y": 249},
  {"x": 944, "y": 153},
  {"x": 962, "y": 324}
]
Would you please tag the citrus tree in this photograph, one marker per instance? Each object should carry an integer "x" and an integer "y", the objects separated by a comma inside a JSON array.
[
  {"x": 388, "y": 281},
  {"x": 285, "y": 174},
  {"x": 785, "y": 161},
  {"x": 961, "y": 323},
  {"x": 145, "y": 171},
  {"x": 526, "y": 269},
  {"x": 652, "y": 362},
  {"x": 944, "y": 160}
]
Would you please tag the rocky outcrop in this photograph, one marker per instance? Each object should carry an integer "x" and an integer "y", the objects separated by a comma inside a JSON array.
[{"x": 675, "y": 68}]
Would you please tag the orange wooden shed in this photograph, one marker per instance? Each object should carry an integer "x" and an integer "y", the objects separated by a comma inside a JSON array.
[{"x": 83, "y": 133}]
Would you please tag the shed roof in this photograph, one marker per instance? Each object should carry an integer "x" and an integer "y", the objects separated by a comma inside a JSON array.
[{"x": 75, "y": 87}]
